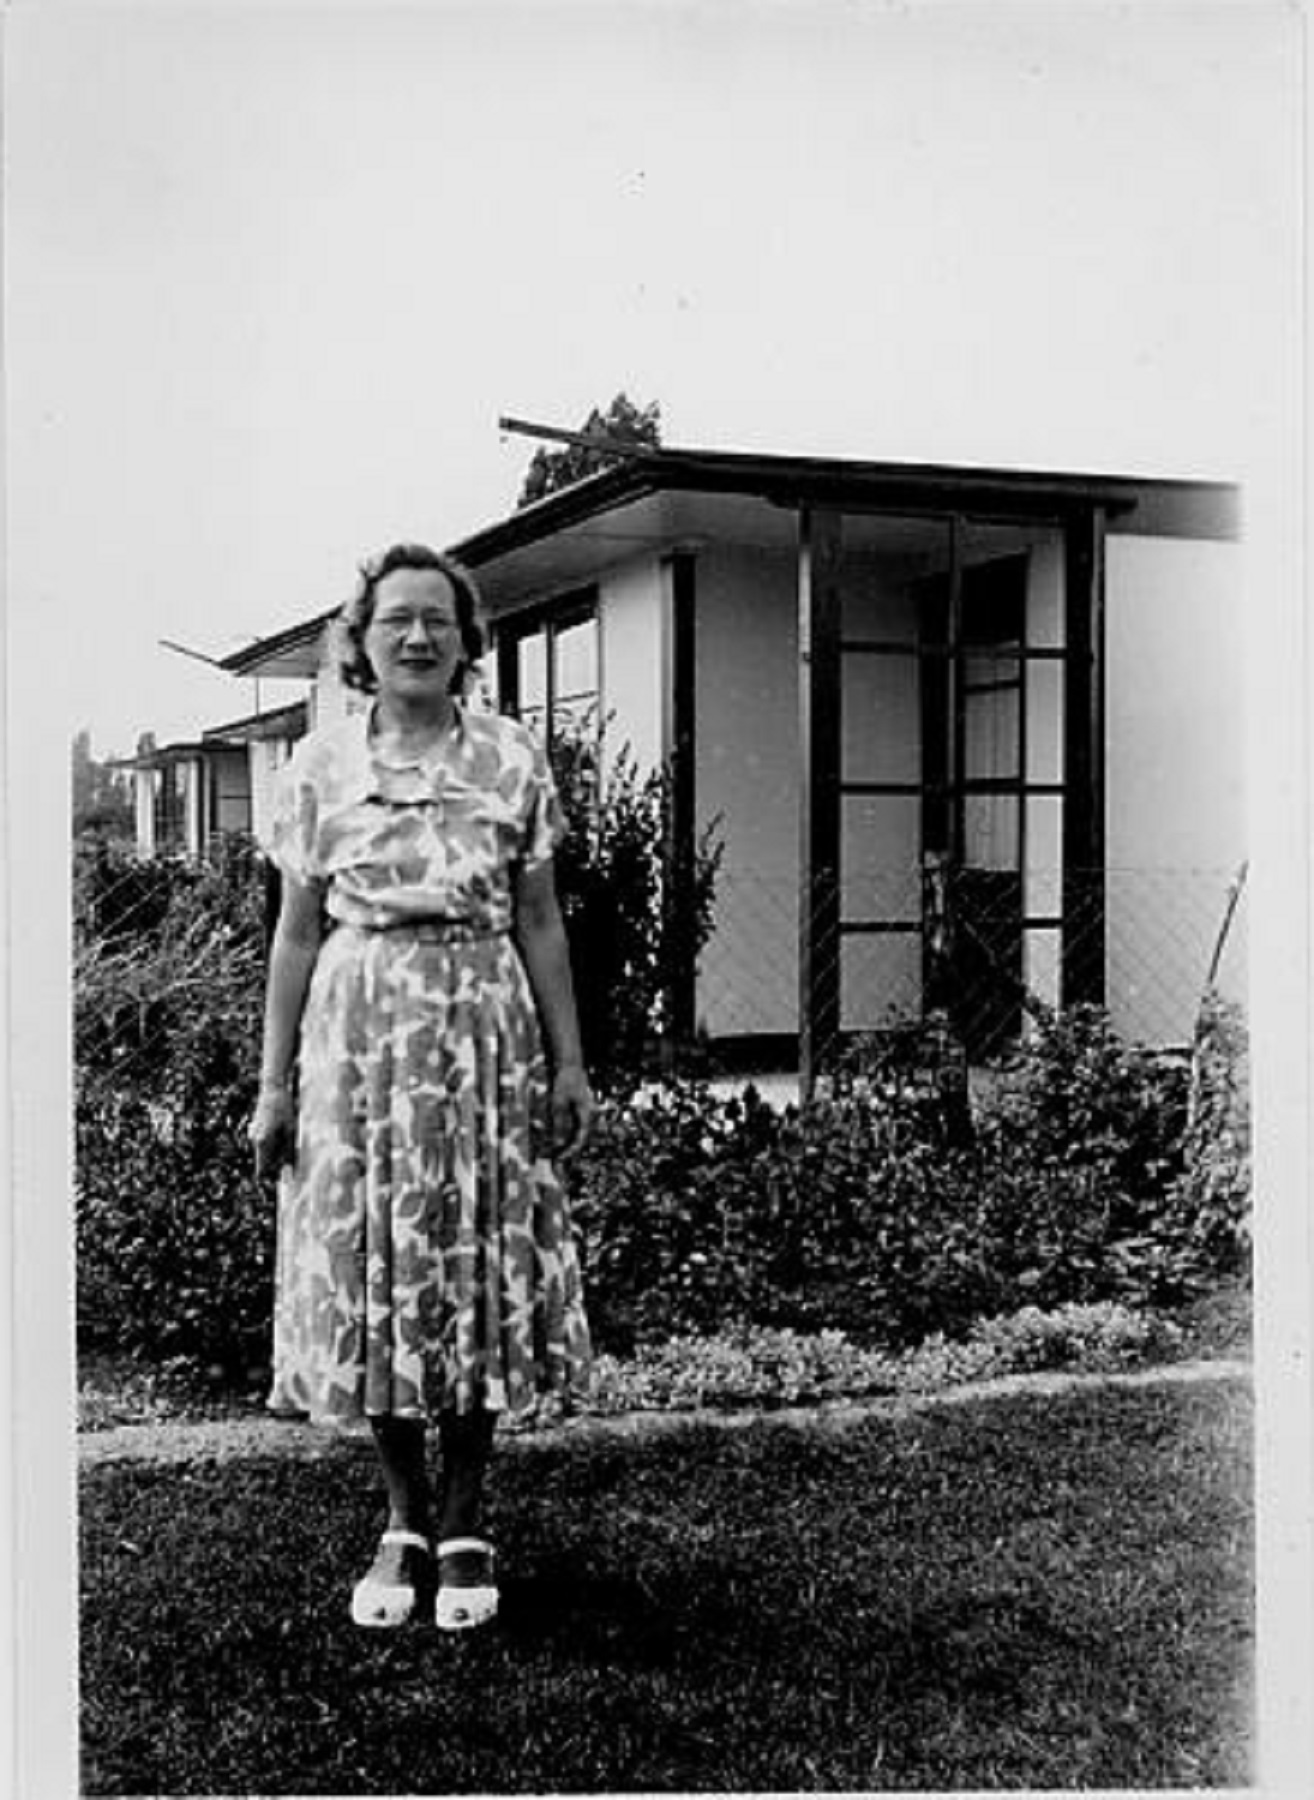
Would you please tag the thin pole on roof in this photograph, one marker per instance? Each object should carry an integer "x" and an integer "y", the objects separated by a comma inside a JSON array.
[
  {"x": 182, "y": 650},
  {"x": 586, "y": 440},
  {"x": 200, "y": 656}
]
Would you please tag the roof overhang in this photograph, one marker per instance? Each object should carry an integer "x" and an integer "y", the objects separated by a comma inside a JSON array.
[
  {"x": 291, "y": 655},
  {"x": 659, "y": 499},
  {"x": 165, "y": 756},
  {"x": 278, "y": 722}
]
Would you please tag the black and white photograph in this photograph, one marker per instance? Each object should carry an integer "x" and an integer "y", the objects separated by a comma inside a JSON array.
[{"x": 657, "y": 830}]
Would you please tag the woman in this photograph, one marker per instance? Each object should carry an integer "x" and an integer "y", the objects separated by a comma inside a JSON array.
[{"x": 426, "y": 1267}]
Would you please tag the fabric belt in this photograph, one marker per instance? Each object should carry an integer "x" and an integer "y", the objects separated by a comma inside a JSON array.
[{"x": 430, "y": 931}]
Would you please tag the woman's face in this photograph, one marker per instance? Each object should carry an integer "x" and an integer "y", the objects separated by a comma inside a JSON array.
[{"x": 414, "y": 638}]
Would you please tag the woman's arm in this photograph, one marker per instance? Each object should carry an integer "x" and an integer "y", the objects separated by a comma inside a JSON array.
[
  {"x": 541, "y": 936},
  {"x": 297, "y": 938}
]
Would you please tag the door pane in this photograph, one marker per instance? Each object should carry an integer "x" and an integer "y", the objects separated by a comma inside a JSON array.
[
  {"x": 994, "y": 597},
  {"x": 985, "y": 985},
  {"x": 1044, "y": 857},
  {"x": 1036, "y": 549},
  {"x": 992, "y": 712},
  {"x": 880, "y": 709},
  {"x": 1042, "y": 964},
  {"x": 990, "y": 831},
  {"x": 880, "y": 858},
  {"x": 886, "y": 561},
  {"x": 880, "y": 980},
  {"x": 1044, "y": 720}
]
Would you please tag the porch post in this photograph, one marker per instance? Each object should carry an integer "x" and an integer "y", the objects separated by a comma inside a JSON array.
[
  {"x": 193, "y": 805},
  {"x": 682, "y": 568},
  {"x": 1083, "y": 956},
  {"x": 819, "y": 791},
  {"x": 144, "y": 803}
]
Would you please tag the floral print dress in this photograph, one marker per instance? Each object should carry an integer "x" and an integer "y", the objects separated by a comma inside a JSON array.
[{"x": 425, "y": 1259}]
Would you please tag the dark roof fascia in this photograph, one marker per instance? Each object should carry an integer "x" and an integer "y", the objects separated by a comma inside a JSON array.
[
  {"x": 540, "y": 519},
  {"x": 257, "y": 725},
  {"x": 165, "y": 754},
  {"x": 935, "y": 488},
  {"x": 240, "y": 662},
  {"x": 902, "y": 487},
  {"x": 881, "y": 482},
  {"x": 794, "y": 481},
  {"x": 573, "y": 505}
]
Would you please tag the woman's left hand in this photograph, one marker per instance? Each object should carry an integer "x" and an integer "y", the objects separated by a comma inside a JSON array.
[{"x": 572, "y": 1109}]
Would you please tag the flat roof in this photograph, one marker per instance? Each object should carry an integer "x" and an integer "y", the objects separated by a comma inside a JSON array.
[
  {"x": 1154, "y": 506},
  {"x": 165, "y": 754},
  {"x": 273, "y": 723}
]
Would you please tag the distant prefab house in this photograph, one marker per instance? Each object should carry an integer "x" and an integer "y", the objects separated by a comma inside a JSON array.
[
  {"x": 264, "y": 741},
  {"x": 189, "y": 795},
  {"x": 973, "y": 738}
]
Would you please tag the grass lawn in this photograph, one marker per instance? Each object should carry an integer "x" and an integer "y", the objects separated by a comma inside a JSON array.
[{"x": 1017, "y": 1592}]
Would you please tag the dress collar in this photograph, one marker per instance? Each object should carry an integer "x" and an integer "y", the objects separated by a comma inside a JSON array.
[
  {"x": 431, "y": 757},
  {"x": 366, "y": 775}
]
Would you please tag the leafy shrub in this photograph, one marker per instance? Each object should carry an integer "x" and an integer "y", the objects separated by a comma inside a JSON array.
[
  {"x": 750, "y": 1366},
  {"x": 1214, "y": 1187},
  {"x": 1098, "y": 1338},
  {"x": 868, "y": 1210},
  {"x": 1075, "y": 1096},
  {"x": 174, "y": 1237},
  {"x": 636, "y": 920},
  {"x": 695, "y": 1210},
  {"x": 767, "y": 1366}
]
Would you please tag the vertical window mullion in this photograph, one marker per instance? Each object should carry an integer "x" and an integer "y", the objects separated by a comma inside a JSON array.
[
  {"x": 550, "y": 681},
  {"x": 957, "y": 700}
]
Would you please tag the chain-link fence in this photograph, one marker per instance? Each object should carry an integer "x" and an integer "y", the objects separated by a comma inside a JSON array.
[
  {"x": 158, "y": 940},
  {"x": 981, "y": 947},
  {"x": 978, "y": 948}
]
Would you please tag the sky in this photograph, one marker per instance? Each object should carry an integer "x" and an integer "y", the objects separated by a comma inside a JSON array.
[{"x": 274, "y": 272}]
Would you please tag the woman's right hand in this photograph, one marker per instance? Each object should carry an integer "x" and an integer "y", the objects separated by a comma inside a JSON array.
[{"x": 273, "y": 1132}]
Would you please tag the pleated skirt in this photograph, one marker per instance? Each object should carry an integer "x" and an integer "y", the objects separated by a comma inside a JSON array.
[{"x": 425, "y": 1259}]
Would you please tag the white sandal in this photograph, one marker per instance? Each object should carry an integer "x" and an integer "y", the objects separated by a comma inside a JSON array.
[
  {"x": 386, "y": 1604},
  {"x": 462, "y": 1608}
]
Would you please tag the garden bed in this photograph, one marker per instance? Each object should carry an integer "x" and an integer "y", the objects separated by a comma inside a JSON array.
[{"x": 764, "y": 1369}]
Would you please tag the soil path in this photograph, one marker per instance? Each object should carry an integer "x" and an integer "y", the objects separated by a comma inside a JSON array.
[{"x": 226, "y": 1439}]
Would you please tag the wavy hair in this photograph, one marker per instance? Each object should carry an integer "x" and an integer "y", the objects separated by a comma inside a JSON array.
[{"x": 353, "y": 621}]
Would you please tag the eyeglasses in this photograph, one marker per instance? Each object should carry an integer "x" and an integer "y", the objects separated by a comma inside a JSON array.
[{"x": 400, "y": 625}]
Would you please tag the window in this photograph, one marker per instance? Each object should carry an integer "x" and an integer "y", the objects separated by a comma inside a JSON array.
[
  {"x": 169, "y": 807},
  {"x": 547, "y": 663}
]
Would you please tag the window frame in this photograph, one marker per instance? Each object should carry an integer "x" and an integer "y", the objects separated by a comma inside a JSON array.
[{"x": 550, "y": 618}]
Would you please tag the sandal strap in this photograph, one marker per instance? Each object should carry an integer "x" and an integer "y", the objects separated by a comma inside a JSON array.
[
  {"x": 406, "y": 1537},
  {"x": 454, "y": 1546}
]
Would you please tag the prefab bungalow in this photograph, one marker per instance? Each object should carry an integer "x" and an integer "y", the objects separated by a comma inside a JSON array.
[
  {"x": 189, "y": 795},
  {"x": 970, "y": 735}
]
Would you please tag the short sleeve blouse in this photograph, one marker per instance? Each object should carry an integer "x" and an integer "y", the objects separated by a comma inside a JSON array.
[{"x": 438, "y": 839}]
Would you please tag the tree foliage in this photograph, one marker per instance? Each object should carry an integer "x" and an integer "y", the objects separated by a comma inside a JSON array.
[
  {"x": 637, "y": 920},
  {"x": 102, "y": 796},
  {"x": 174, "y": 1236},
  {"x": 550, "y": 470}
]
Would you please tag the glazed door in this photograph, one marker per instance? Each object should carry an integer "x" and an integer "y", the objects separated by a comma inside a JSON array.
[
  {"x": 973, "y": 714},
  {"x": 954, "y": 774}
]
